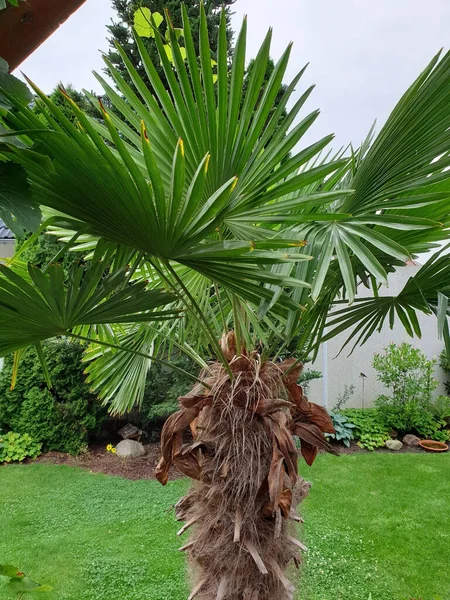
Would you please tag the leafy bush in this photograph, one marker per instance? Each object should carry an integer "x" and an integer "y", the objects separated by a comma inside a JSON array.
[
  {"x": 61, "y": 418},
  {"x": 410, "y": 417},
  {"x": 369, "y": 431},
  {"x": 445, "y": 366},
  {"x": 162, "y": 389},
  {"x": 44, "y": 249},
  {"x": 344, "y": 428},
  {"x": 15, "y": 447},
  {"x": 441, "y": 409},
  {"x": 407, "y": 371},
  {"x": 409, "y": 374}
]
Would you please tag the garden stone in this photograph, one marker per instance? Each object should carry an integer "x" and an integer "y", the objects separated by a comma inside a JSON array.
[
  {"x": 130, "y": 449},
  {"x": 394, "y": 445},
  {"x": 130, "y": 431},
  {"x": 411, "y": 440}
]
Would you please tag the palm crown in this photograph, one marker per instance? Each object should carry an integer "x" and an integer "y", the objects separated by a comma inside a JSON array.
[{"x": 207, "y": 217}]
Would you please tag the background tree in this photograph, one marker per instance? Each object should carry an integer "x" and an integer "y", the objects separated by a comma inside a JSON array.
[{"x": 121, "y": 30}]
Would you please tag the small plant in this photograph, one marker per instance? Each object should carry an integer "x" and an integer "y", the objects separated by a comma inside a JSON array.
[
  {"x": 19, "y": 584},
  {"x": 15, "y": 447},
  {"x": 306, "y": 377},
  {"x": 344, "y": 398},
  {"x": 344, "y": 428},
  {"x": 110, "y": 448},
  {"x": 370, "y": 431}
]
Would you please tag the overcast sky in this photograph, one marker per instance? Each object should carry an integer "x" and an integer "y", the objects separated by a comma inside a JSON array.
[{"x": 362, "y": 55}]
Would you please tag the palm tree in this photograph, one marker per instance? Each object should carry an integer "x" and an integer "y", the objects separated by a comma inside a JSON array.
[{"x": 211, "y": 233}]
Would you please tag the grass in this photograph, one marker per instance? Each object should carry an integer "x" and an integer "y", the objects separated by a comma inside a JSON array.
[{"x": 376, "y": 524}]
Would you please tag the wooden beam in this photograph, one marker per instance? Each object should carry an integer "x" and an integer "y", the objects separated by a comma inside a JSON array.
[{"x": 24, "y": 28}]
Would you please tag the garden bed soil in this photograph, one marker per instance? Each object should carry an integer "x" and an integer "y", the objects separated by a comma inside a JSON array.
[{"x": 98, "y": 460}]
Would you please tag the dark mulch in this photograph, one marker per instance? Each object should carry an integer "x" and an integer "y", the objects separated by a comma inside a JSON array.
[
  {"x": 355, "y": 449},
  {"x": 98, "y": 460}
]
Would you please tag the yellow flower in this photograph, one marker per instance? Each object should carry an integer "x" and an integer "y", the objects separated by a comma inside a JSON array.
[
  {"x": 109, "y": 447},
  {"x": 113, "y": 450}
]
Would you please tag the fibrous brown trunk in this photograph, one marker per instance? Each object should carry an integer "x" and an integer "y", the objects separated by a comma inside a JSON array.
[{"x": 241, "y": 508}]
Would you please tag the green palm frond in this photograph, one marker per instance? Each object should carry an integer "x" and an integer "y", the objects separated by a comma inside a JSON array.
[
  {"x": 45, "y": 307},
  {"x": 425, "y": 292}
]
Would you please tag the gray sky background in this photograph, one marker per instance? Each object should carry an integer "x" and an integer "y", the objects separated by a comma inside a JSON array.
[{"x": 362, "y": 54}]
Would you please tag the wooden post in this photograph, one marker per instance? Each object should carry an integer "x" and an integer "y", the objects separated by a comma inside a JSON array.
[{"x": 24, "y": 28}]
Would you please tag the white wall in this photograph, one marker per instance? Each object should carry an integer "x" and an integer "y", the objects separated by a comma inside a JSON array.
[
  {"x": 6, "y": 248},
  {"x": 342, "y": 369}
]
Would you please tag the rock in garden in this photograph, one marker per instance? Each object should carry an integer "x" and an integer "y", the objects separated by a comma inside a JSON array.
[
  {"x": 392, "y": 445},
  {"x": 130, "y": 449},
  {"x": 411, "y": 440},
  {"x": 130, "y": 431}
]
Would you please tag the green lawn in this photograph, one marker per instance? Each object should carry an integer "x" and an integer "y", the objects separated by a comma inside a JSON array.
[{"x": 376, "y": 524}]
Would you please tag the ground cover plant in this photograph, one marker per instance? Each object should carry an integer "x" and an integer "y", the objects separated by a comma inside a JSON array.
[
  {"x": 213, "y": 232},
  {"x": 374, "y": 524}
]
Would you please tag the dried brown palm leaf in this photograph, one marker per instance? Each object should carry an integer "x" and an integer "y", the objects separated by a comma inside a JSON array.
[{"x": 244, "y": 461}]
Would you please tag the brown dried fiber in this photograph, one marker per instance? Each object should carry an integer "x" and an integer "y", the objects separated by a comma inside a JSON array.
[{"x": 241, "y": 508}]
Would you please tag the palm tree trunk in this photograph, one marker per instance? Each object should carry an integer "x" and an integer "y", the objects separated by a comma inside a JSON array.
[{"x": 242, "y": 456}]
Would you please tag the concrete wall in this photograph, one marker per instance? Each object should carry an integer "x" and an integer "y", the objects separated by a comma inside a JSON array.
[
  {"x": 6, "y": 248},
  {"x": 340, "y": 369}
]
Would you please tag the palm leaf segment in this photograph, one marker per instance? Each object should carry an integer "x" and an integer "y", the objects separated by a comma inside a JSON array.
[{"x": 46, "y": 307}]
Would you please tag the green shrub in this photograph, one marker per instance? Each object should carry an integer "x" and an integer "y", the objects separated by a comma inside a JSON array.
[
  {"x": 409, "y": 374},
  {"x": 61, "y": 418},
  {"x": 445, "y": 366},
  {"x": 441, "y": 409},
  {"x": 370, "y": 432},
  {"x": 15, "y": 447},
  {"x": 162, "y": 389},
  {"x": 410, "y": 417}
]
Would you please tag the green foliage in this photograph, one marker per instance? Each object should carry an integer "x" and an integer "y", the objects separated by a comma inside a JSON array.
[
  {"x": 162, "y": 389},
  {"x": 19, "y": 584},
  {"x": 441, "y": 408},
  {"x": 344, "y": 428},
  {"x": 15, "y": 447},
  {"x": 410, "y": 417},
  {"x": 409, "y": 374},
  {"x": 306, "y": 377},
  {"x": 129, "y": 10},
  {"x": 369, "y": 431},
  {"x": 61, "y": 418},
  {"x": 202, "y": 180},
  {"x": 344, "y": 397},
  {"x": 43, "y": 250},
  {"x": 12, "y": 2},
  {"x": 58, "y": 99},
  {"x": 17, "y": 207},
  {"x": 13, "y": 86},
  {"x": 445, "y": 366}
]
